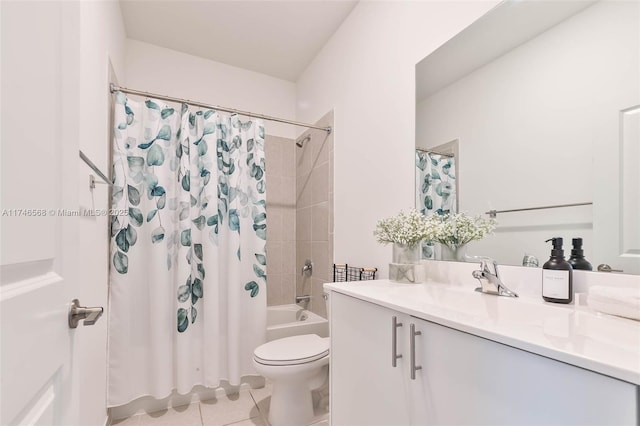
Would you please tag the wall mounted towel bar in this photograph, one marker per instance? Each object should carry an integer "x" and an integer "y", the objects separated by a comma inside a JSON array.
[
  {"x": 92, "y": 178},
  {"x": 493, "y": 213}
]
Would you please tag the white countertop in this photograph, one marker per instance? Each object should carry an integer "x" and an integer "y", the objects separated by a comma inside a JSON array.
[{"x": 602, "y": 343}]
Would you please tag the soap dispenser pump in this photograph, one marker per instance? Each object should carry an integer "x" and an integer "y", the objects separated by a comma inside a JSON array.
[
  {"x": 557, "y": 280},
  {"x": 577, "y": 259}
]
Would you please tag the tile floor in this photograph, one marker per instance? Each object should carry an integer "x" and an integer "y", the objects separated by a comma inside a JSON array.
[{"x": 246, "y": 408}]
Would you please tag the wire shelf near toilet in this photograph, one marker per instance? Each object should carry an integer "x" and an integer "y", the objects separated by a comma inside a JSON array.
[{"x": 343, "y": 272}]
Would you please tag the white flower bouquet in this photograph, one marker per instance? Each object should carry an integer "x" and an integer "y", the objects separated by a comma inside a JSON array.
[
  {"x": 458, "y": 229},
  {"x": 408, "y": 229}
]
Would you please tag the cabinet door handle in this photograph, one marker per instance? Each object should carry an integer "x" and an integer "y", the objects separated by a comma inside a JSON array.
[
  {"x": 394, "y": 340},
  {"x": 414, "y": 367}
]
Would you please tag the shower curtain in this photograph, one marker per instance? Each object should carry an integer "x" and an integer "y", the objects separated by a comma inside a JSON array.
[
  {"x": 435, "y": 189},
  {"x": 187, "y": 257}
]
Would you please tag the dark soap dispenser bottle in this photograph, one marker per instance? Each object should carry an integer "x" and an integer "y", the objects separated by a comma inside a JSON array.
[
  {"x": 577, "y": 259},
  {"x": 557, "y": 280}
]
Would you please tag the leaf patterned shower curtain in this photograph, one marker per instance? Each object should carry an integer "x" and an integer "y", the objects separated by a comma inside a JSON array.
[
  {"x": 435, "y": 189},
  {"x": 188, "y": 262}
]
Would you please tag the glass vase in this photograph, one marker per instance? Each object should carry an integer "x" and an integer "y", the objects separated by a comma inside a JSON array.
[
  {"x": 405, "y": 266},
  {"x": 405, "y": 254},
  {"x": 453, "y": 253}
]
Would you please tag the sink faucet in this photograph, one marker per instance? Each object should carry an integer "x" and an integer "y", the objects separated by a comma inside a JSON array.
[{"x": 490, "y": 282}]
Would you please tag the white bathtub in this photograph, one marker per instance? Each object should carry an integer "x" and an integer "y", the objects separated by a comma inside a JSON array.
[{"x": 292, "y": 320}]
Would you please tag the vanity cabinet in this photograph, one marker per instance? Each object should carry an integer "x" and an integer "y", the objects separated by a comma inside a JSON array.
[
  {"x": 365, "y": 388},
  {"x": 460, "y": 379}
]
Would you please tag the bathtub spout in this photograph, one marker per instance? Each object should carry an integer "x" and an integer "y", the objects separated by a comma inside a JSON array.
[{"x": 306, "y": 298}]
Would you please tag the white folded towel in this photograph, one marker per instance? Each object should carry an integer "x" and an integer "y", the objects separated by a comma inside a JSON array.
[{"x": 619, "y": 301}]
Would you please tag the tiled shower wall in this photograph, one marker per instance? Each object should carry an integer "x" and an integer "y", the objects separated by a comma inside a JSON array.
[
  {"x": 314, "y": 212},
  {"x": 280, "y": 159}
]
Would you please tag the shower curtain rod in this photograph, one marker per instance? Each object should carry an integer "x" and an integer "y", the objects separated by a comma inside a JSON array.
[
  {"x": 113, "y": 88},
  {"x": 435, "y": 152}
]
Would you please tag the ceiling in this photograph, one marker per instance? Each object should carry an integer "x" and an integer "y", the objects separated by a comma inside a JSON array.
[{"x": 277, "y": 38}]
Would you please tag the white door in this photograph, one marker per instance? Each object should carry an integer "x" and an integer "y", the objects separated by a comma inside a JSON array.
[
  {"x": 39, "y": 163},
  {"x": 617, "y": 194}
]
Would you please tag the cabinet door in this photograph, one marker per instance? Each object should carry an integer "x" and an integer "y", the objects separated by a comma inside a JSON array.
[
  {"x": 468, "y": 380},
  {"x": 365, "y": 388}
]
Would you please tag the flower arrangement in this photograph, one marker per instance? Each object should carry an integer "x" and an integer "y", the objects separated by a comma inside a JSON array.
[
  {"x": 455, "y": 230},
  {"x": 408, "y": 229}
]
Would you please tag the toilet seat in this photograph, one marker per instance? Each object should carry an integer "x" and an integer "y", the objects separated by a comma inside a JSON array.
[{"x": 292, "y": 350}]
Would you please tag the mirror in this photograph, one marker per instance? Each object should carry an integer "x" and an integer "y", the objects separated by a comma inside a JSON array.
[{"x": 543, "y": 99}]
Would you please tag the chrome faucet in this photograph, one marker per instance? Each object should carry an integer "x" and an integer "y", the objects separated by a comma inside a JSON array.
[
  {"x": 308, "y": 267},
  {"x": 305, "y": 298},
  {"x": 490, "y": 282}
]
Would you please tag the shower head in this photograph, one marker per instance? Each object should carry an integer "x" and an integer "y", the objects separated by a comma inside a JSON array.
[{"x": 301, "y": 142}]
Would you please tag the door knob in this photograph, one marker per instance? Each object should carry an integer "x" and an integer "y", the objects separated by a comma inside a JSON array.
[{"x": 78, "y": 313}]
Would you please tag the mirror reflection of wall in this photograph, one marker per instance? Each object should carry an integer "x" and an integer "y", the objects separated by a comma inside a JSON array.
[{"x": 539, "y": 125}]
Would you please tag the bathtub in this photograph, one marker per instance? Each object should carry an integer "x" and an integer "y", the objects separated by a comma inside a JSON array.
[{"x": 292, "y": 320}]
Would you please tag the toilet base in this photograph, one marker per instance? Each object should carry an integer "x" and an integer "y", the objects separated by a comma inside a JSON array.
[
  {"x": 296, "y": 366},
  {"x": 291, "y": 400},
  {"x": 290, "y": 405}
]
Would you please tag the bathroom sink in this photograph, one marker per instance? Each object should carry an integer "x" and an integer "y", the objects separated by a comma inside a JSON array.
[
  {"x": 504, "y": 312},
  {"x": 485, "y": 306}
]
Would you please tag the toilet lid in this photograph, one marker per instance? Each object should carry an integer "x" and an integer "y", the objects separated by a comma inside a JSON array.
[{"x": 292, "y": 350}]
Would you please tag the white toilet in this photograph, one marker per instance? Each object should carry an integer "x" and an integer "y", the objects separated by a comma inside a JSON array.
[{"x": 296, "y": 365}]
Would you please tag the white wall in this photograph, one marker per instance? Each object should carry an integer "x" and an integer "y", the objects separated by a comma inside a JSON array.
[
  {"x": 102, "y": 40},
  {"x": 529, "y": 124},
  {"x": 159, "y": 70},
  {"x": 366, "y": 73}
]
